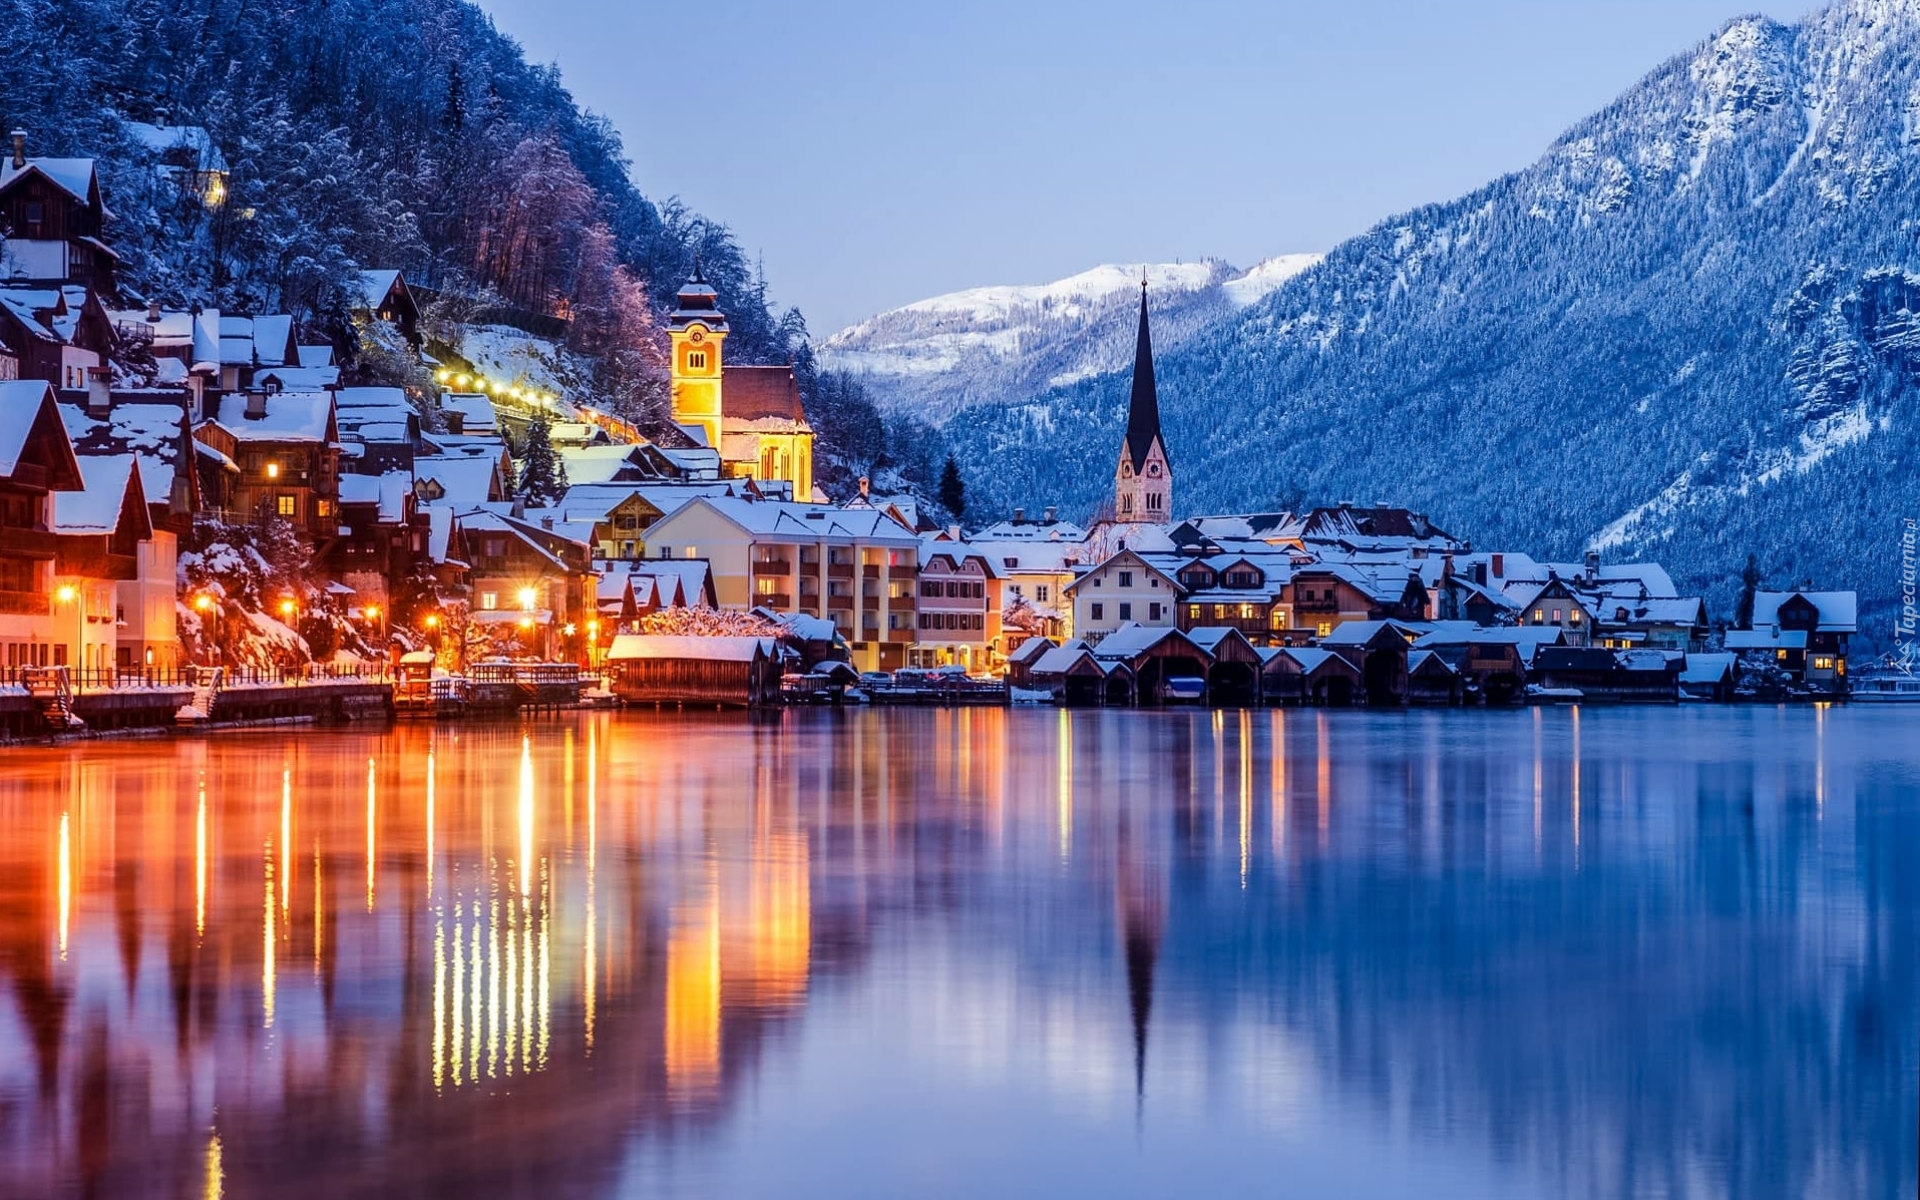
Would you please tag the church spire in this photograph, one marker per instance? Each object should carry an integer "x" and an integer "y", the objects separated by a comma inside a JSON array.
[
  {"x": 1143, "y": 413},
  {"x": 1143, "y": 482}
]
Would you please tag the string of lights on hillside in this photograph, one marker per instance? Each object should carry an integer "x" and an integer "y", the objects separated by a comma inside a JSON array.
[{"x": 469, "y": 382}]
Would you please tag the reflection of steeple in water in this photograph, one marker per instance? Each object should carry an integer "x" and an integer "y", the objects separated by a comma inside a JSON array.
[{"x": 1141, "y": 916}]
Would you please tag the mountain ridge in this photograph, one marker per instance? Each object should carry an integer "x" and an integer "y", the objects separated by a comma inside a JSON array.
[{"x": 1688, "y": 331}]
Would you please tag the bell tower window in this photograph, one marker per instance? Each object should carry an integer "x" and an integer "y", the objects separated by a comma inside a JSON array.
[{"x": 696, "y": 360}]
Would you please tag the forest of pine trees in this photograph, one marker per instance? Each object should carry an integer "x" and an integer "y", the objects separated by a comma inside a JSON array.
[{"x": 388, "y": 133}]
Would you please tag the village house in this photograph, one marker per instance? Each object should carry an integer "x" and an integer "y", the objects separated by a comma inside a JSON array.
[
  {"x": 54, "y": 215},
  {"x": 1804, "y": 634},
  {"x": 1125, "y": 589},
  {"x": 114, "y": 581},
  {"x": 60, "y": 334},
  {"x": 530, "y": 586},
  {"x": 288, "y": 453},
  {"x": 36, "y": 462},
  {"x": 959, "y": 611},
  {"x": 859, "y": 568},
  {"x": 1238, "y": 591}
]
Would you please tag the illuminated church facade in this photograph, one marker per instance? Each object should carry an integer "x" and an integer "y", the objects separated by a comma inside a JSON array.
[{"x": 751, "y": 415}]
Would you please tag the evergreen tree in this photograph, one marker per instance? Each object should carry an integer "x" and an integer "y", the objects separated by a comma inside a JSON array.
[
  {"x": 543, "y": 477},
  {"x": 953, "y": 490},
  {"x": 1749, "y": 584}
]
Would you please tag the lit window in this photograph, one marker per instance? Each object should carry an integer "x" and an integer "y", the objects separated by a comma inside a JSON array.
[
  {"x": 1326, "y": 627},
  {"x": 1574, "y": 617},
  {"x": 489, "y": 601},
  {"x": 1539, "y": 615},
  {"x": 1193, "y": 612},
  {"x": 1780, "y": 654},
  {"x": 289, "y": 506},
  {"x": 273, "y": 470}
]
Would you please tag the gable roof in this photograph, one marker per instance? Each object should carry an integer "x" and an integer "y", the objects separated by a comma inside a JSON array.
[
  {"x": 74, "y": 176},
  {"x": 1839, "y": 611},
  {"x": 760, "y": 394},
  {"x": 29, "y": 415},
  {"x": 111, "y": 495}
]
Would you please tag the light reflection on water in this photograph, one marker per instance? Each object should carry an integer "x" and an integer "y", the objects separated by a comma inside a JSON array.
[{"x": 1665, "y": 952}]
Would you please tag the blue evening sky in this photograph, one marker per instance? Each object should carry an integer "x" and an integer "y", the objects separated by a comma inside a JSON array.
[{"x": 877, "y": 153}]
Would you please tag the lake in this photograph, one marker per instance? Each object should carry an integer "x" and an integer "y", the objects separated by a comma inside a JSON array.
[{"x": 1535, "y": 953}]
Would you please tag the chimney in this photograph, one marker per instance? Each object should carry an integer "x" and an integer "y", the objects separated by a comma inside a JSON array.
[
  {"x": 153, "y": 312},
  {"x": 19, "y": 148},
  {"x": 256, "y": 409},
  {"x": 546, "y": 523},
  {"x": 1593, "y": 566},
  {"x": 1053, "y": 514},
  {"x": 99, "y": 392},
  {"x": 953, "y": 532},
  {"x": 1480, "y": 573},
  {"x": 1019, "y": 516},
  {"x": 1499, "y": 566},
  {"x": 866, "y": 486}
]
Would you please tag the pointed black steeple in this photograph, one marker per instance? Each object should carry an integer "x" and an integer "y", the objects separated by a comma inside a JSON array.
[{"x": 1143, "y": 414}]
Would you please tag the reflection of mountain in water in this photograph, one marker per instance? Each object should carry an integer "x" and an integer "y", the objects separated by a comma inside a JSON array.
[{"x": 480, "y": 963}]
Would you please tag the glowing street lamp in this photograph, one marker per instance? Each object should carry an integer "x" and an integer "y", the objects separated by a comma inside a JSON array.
[
  {"x": 432, "y": 621},
  {"x": 66, "y": 593},
  {"x": 203, "y": 603},
  {"x": 288, "y": 607},
  {"x": 527, "y": 598}
]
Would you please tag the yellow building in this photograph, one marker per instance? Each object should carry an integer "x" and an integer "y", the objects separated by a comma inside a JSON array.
[{"x": 751, "y": 415}]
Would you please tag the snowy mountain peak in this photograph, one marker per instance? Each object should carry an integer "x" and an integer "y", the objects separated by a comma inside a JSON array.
[{"x": 985, "y": 344}]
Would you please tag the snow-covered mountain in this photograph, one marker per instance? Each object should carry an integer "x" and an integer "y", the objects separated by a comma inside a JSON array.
[
  {"x": 1691, "y": 330},
  {"x": 991, "y": 344}
]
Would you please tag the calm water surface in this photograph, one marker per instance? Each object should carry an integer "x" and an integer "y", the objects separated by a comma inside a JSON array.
[{"x": 1586, "y": 953}]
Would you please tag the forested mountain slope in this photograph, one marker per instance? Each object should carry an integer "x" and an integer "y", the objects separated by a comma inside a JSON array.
[{"x": 1689, "y": 331}]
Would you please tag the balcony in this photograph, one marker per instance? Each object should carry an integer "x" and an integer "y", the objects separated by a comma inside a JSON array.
[
  {"x": 870, "y": 603},
  {"x": 25, "y": 604},
  {"x": 845, "y": 602},
  {"x": 871, "y": 571},
  {"x": 839, "y": 570},
  {"x": 901, "y": 635},
  {"x": 904, "y": 570},
  {"x": 29, "y": 543},
  {"x": 774, "y": 600},
  {"x": 773, "y": 566}
]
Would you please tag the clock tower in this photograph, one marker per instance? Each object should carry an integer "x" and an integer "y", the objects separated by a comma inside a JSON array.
[
  {"x": 1143, "y": 482},
  {"x": 696, "y": 328}
]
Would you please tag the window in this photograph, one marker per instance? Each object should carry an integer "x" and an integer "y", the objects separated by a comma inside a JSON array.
[
  {"x": 1013, "y": 564},
  {"x": 1153, "y": 612},
  {"x": 666, "y": 552},
  {"x": 1126, "y": 579},
  {"x": 1823, "y": 663},
  {"x": 1326, "y": 627},
  {"x": 289, "y": 506},
  {"x": 1556, "y": 616},
  {"x": 1039, "y": 592},
  {"x": 1100, "y": 614},
  {"x": 1573, "y": 617},
  {"x": 1781, "y": 655},
  {"x": 1539, "y": 615},
  {"x": 323, "y": 508},
  {"x": 1193, "y": 612},
  {"x": 1126, "y": 612},
  {"x": 1279, "y": 618},
  {"x": 697, "y": 360},
  {"x": 1246, "y": 612},
  {"x": 489, "y": 601}
]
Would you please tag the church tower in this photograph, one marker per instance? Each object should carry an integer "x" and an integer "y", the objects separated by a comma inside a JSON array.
[
  {"x": 1143, "y": 482},
  {"x": 696, "y": 328}
]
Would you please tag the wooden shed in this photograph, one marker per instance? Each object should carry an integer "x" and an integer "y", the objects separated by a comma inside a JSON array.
[{"x": 739, "y": 672}]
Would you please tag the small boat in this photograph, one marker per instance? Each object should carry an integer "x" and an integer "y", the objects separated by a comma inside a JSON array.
[{"x": 1885, "y": 687}]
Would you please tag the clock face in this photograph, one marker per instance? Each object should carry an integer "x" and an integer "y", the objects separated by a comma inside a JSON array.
[
  {"x": 698, "y": 335},
  {"x": 1153, "y": 469}
]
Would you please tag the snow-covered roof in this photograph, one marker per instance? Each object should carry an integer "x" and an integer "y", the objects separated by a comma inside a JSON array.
[
  {"x": 98, "y": 506},
  {"x": 1060, "y": 659},
  {"x": 22, "y": 401},
  {"x": 388, "y": 490},
  {"x": 314, "y": 356},
  {"x": 1767, "y": 637},
  {"x": 1133, "y": 639},
  {"x": 149, "y": 432},
  {"x": 72, "y": 175},
  {"x": 1030, "y": 650},
  {"x": 464, "y": 480},
  {"x": 1706, "y": 668},
  {"x": 477, "y": 415},
  {"x": 290, "y": 417},
  {"x": 1839, "y": 611},
  {"x": 372, "y": 287},
  {"x": 782, "y": 518},
  {"x": 630, "y": 646},
  {"x": 191, "y": 139}
]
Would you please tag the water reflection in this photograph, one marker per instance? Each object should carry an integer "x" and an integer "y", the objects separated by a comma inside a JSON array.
[{"x": 947, "y": 953}]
